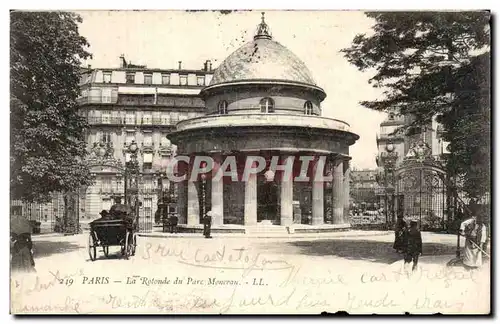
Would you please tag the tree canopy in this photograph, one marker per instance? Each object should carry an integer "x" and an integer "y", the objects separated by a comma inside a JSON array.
[
  {"x": 435, "y": 65},
  {"x": 47, "y": 134}
]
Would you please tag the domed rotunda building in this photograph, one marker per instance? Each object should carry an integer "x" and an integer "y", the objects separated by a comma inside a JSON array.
[{"x": 263, "y": 101}]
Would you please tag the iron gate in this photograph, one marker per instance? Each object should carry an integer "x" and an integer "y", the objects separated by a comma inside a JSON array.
[
  {"x": 49, "y": 216},
  {"x": 421, "y": 194}
]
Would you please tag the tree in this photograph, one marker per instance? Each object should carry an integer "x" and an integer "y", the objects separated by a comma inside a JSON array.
[
  {"x": 435, "y": 65},
  {"x": 47, "y": 133}
]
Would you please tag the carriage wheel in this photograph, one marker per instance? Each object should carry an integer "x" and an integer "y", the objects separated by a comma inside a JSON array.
[
  {"x": 106, "y": 251},
  {"x": 126, "y": 252},
  {"x": 92, "y": 248},
  {"x": 134, "y": 243}
]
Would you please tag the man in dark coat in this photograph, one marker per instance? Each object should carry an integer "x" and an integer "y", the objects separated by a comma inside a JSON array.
[
  {"x": 207, "y": 224},
  {"x": 104, "y": 215},
  {"x": 399, "y": 235},
  {"x": 413, "y": 245},
  {"x": 174, "y": 220}
]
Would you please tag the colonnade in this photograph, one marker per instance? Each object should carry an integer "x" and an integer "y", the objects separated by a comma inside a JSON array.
[{"x": 337, "y": 167}]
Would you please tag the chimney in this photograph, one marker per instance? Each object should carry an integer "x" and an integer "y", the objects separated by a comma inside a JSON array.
[
  {"x": 205, "y": 66},
  {"x": 180, "y": 65},
  {"x": 123, "y": 62},
  {"x": 89, "y": 66},
  {"x": 209, "y": 65}
]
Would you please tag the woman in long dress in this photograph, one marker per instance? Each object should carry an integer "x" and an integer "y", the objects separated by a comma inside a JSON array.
[
  {"x": 21, "y": 255},
  {"x": 475, "y": 235}
]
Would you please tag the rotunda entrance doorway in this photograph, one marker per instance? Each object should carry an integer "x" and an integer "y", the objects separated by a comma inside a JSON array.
[{"x": 268, "y": 208}]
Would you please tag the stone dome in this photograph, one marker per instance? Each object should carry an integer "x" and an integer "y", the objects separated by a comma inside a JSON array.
[{"x": 262, "y": 59}]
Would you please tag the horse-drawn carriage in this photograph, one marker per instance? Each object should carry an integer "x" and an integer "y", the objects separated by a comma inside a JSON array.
[{"x": 118, "y": 228}]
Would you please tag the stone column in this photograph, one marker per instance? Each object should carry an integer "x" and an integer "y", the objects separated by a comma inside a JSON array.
[
  {"x": 217, "y": 194},
  {"x": 338, "y": 192},
  {"x": 193, "y": 206},
  {"x": 318, "y": 203},
  {"x": 181, "y": 201},
  {"x": 251, "y": 200},
  {"x": 286, "y": 200},
  {"x": 347, "y": 178}
]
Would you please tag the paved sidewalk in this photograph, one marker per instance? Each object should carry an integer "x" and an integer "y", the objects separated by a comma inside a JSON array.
[{"x": 273, "y": 235}]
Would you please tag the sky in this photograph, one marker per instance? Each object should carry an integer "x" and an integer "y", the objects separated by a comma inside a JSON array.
[{"x": 159, "y": 39}]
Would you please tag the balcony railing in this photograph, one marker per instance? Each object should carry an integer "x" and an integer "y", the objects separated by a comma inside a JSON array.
[
  {"x": 105, "y": 120},
  {"x": 96, "y": 99},
  {"x": 125, "y": 121}
]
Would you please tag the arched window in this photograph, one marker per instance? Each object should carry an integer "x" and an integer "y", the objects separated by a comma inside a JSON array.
[
  {"x": 222, "y": 108},
  {"x": 308, "y": 108},
  {"x": 266, "y": 105}
]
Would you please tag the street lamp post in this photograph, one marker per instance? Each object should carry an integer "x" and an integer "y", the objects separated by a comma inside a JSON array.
[
  {"x": 132, "y": 179},
  {"x": 162, "y": 203},
  {"x": 203, "y": 195},
  {"x": 389, "y": 159}
]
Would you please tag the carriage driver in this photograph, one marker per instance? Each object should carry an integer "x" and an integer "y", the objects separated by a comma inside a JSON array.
[{"x": 104, "y": 215}]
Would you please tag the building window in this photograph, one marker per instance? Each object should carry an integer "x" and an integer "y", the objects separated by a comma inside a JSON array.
[
  {"x": 201, "y": 80},
  {"x": 147, "y": 119},
  {"x": 106, "y": 137},
  {"x": 183, "y": 80},
  {"x": 106, "y": 203},
  {"x": 222, "y": 108},
  {"x": 106, "y": 95},
  {"x": 174, "y": 117},
  {"x": 147, "y": 163},
  {"x": 106, "y": 77},
  {"x": 106, "y": 117},
  {"x": 148, "y": 79},
  {"x": 165, "y": 159},
  {"x": 106, "y": 185},
  {"x": 130, "y": 78},
  {"x": 129, "y": 137},
  {"x": 308, "y": 108},
  {"x": 130, "y": 119},
  {"x": 148, "y": 140},
  {"x": 266, "y": 105},
  {"x": 164, "y": 141},
  {"x": 165, "y": 119},
  {"x": 165, "y": 79}
]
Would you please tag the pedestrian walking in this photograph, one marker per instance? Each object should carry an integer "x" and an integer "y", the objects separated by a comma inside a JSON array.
[
  {"x": 413, "y": 245},
  {"x": 475, "y": 236},
  {"x": 399, "y": 231},
  {"x": 174, "y": 221},
  {"x": 21, "y": 245},
  {"x": 207, "y": 224}
]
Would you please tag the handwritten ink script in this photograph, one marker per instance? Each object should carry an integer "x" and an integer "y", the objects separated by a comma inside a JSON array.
[{"x": 236, "y": 280}]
